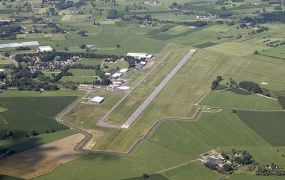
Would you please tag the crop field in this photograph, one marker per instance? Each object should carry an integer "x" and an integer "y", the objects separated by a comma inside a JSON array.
[
  {"x": 232, "y": 100},
  {"x": 24, "y": 144},
  {"x": 268, "y": 125},
  {"x": 23, "y": 117}
]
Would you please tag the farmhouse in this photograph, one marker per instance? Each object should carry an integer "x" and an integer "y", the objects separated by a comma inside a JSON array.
[
  {"x": 97, "y": 100},
  {"x": 140, "y": 55},
  {"x": 44, "y": 49}
]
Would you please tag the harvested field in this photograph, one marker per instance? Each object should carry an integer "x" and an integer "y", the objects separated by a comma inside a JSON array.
[{"x": 41, "y": 160}]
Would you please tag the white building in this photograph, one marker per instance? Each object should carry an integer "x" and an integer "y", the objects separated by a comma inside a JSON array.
[
  {"x": 44, "y": 49},
  {"x": 116, "y": 75},
  {"x": 97, "y": 100},
  {"x": 140, "y": 55},
  {"x": 20, "y": 44},
  {"x": 124, "y": 88},
  {"x": 124, "y": 70}
]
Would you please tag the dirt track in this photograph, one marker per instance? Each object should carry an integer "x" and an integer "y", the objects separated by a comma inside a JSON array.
[{"x": 43, "y": 159}]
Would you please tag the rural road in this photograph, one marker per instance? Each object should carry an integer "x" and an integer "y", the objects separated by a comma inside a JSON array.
[{"x": 158, "y": 89}]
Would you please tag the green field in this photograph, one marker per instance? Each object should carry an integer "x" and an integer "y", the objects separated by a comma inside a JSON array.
[
  {"x": 85, "y": 115},
  {"x": 90, "y": 61},
  {"x": 165, "y": 148},
  {"x": 80, "y": 76},
  {"x": 234, "y": 48},
  {"x": 231, "y": 100},
  {"x": 26, "y": 114},
  {"x": 268, "y": 125},
  {"x": 23, "y": 144}
]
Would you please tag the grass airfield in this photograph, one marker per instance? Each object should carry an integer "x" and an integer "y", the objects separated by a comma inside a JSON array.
[{"x": 171, "y": 149}]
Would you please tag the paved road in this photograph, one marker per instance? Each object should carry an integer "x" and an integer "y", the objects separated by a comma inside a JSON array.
[
  {"x": 157, "y": 90},
  {"x": 102, "y": 122},
  {"x": 11, "y": 60}
]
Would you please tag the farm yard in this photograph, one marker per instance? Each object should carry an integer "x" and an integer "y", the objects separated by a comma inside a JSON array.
[{"x": 227, "y": 97}]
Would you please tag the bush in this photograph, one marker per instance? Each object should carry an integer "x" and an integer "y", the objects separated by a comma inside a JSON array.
[{"x": 250, "y": 86}]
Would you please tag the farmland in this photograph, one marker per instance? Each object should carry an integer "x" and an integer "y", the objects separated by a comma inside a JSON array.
[
  {"x": 203, "y": 108},
  {"x": 268, "y": 125},
  {"x": 226, "y": 99},
  {"x": 158, "y": 153},
  {"x": 26, "y": 120}
]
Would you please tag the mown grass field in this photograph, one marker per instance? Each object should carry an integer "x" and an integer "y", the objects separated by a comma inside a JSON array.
[
  {"x": 234, "y": 48},
  {"x": 231, "y": 100},
  {"x": 80, "y": 76},
  {"x": 86, "y": 115}
]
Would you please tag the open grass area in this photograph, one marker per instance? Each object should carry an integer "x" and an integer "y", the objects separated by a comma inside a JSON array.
[
  {"x": 86, "y": 115},
  {"x": 169, "y": 57},
  {"x": 177, "y": 99},
  {"x": 234, "y": 48},
  {"x": 80, "y": 76},
  {"x": 90, "y": 61},
  {"x": 118, "y": 64},
  {"x": 268, "y": 125},
  {"x": 195, "y": 170},
  {"x": 232, "y": 100}
]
